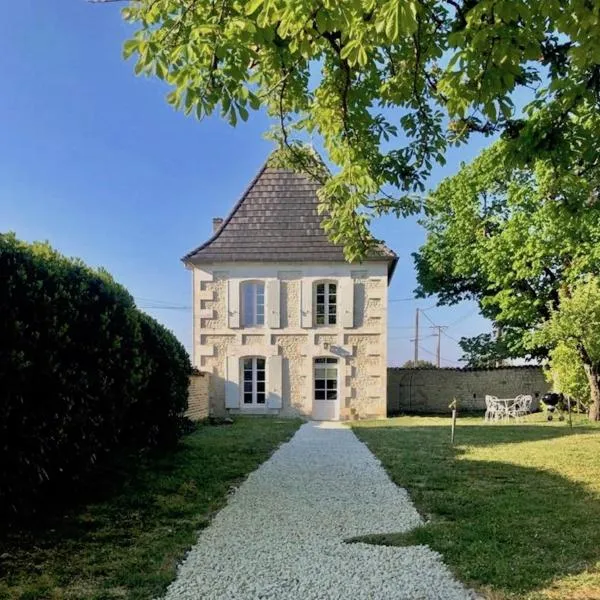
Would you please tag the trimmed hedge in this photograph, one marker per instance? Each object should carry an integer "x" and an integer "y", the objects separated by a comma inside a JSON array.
[{"x": 82, "y": 372}]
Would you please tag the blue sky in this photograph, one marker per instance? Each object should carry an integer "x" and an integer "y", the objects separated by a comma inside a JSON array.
[{"x": 93, "y": 160}]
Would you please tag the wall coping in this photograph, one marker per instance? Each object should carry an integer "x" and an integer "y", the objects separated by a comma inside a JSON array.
[
  {"x": 197, "y": 373},
  {"x": 467, "y": 369}
]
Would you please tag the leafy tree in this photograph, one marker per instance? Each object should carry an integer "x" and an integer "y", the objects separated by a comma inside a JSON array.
[
  {"x": 386, "y": 84},
  {"x": 482, "y": 351},
  {"x": 514, "y": 238},
  {"x": 572, "y": 330},
  {"x": 419, "y": 364},
  {"x": 567, "y": 374}
]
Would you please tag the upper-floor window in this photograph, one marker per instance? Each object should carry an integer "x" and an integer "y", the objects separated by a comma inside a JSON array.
[
  {"x": 326, "y": 303},
  {"x": 253, "y": 303}
]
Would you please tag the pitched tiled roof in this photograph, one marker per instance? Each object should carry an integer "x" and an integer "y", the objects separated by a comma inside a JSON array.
[{"x": 276, "y": 220}]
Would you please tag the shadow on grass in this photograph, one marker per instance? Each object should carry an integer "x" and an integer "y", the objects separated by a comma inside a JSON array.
[
  {"x": 508, "y": 527},
  {"x": 123, "y": 535}
]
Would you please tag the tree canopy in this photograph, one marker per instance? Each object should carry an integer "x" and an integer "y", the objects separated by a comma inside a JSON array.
[
  {"x": 483, "y": 351},
  {"x": 519, "y": 240},
  {"x": 385, "y": 84},
  {"x": 509, "y": 237}
]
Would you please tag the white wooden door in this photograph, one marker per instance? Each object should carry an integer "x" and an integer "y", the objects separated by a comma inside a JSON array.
[{"x": 325, "y": 390}]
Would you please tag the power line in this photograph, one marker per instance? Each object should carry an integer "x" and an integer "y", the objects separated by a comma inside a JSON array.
[
  {"x": 450, "y": 362},
  {"x": 430, "y": 307},
  {"x": 450, "y": 337},
  {"x": 412, "y": 339},
  {"x": 463, "y": 318},
  {"x": 441, "y": 358},
  {"x": 426, "y": 351},
  {"x": 154, "y": 304},
  {"x": 440, "y": 329},
  {"x": 428, "y": 317},
  {"x": 155, "y": 301},
  {"x": 165, "y": 307}
]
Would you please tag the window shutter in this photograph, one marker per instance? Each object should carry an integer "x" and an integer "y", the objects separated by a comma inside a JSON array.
[
  {"x": 346, "y": 302},
  {"x": 233, "y": 304},
  {"x": 274, "y": 381},
  {"x": 273, "y": 303},
  {"x": 307, "y": 304},
  {"x": 232, "y": 385}
]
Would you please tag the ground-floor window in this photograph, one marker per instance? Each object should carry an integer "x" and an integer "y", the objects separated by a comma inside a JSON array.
[
  {"x": 254, "y": 381},
  {"x": 326, "y": 379}
]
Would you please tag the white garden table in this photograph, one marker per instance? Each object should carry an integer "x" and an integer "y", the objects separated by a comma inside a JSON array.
[{"x": 505, "y": 408}]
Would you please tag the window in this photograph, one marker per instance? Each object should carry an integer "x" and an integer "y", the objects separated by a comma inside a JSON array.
[
  {"x": 326, "y": 303},
  {"x": 325, "y": 378},
  {"x": 253, "y": 303},
  {"x": 254, "y": 381}
]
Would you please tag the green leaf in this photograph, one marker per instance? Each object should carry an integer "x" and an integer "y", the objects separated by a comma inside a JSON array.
[
  {"x": 243, "y": 112},
  {"x": 253, "y": 5},
  {"x": 129, "y": 47}
]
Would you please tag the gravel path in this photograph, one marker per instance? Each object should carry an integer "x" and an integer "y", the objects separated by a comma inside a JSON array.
[{"x": 281, "y": 536}]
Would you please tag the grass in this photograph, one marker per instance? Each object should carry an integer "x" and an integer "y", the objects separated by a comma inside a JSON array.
[
  {"x": 147, "y": 511},
  {"x": 514, "y": 509}
]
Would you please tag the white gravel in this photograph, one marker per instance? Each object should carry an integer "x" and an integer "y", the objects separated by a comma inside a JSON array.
[{"x": 281, "y": 536}]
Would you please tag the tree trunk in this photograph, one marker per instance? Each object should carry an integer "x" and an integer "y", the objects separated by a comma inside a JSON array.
[{"x": 593, "y": 379}]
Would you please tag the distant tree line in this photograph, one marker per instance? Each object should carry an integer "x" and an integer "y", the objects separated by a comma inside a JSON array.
[{"x": 419, "y": 364}]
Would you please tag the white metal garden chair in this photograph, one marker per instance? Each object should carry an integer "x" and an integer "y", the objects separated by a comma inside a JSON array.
[
  {"x": 492, "y": 408},
  {"x": 499, "y": 409},
  {"x": 522, "y": 405}
]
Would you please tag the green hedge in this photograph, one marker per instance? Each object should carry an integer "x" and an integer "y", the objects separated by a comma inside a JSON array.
[{"x": 82, "y": 373}]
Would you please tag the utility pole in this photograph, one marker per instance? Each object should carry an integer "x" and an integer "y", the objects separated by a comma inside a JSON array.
[
  {"x": 416, "y": 338},
  {"x": 438, "y": 352}
]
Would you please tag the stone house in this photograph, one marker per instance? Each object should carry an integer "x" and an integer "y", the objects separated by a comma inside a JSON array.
[{"x": 281, "y": 321}]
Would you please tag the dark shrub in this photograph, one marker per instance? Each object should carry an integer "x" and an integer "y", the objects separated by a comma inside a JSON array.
[
  {"x": 163, "y": 393},
  {"x": 80, "y": 372}
]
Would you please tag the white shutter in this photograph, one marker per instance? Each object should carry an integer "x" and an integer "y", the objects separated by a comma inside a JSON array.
[
  {"x": 275, "y": 381},
  {"x": 273, "y": 303},
  {"x": 233, "y": 303},
  {"x": 307, "y": 304},
  {"x": 232, "y": 383},
  {"x": 346, "y": 302}
]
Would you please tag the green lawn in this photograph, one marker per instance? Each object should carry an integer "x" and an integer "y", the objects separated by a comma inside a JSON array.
[
  {"x": 127, "y": 544},
  {"x": 513, "y": 509}
]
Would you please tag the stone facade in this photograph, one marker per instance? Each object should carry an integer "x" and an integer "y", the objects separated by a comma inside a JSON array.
[
  {"x": 290, "y": 339},
  {"x": 432, "y": 390},
  {"x": 198, "y": 397}
]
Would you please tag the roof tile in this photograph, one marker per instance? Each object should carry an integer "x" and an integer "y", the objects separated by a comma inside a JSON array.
[{"x": 276, "y": 219}]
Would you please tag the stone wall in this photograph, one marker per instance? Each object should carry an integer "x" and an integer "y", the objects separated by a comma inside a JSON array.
[
  {"x": 432, "y": 390},
  {"x": 198, "y": 397}
]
